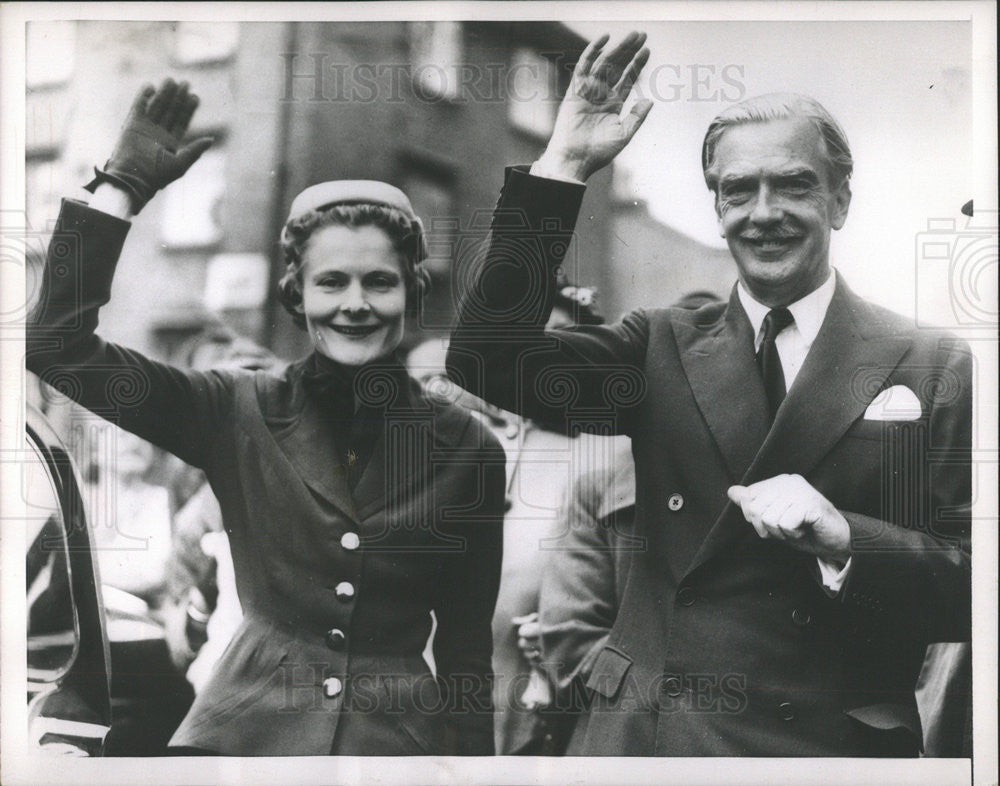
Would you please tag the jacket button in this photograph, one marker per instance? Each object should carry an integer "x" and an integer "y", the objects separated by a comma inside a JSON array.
[
  {"x": 675, "y": 502},
  {"x": 801, "y": 618},
  {"x": 335, "y": 639},
  {"x": 786, "y": 711},
  {"x": 349, "y": 541},
  {"x": 685, "y": 596},
  {"x": 672, "y": 685},
  {"x": 344, "y": 591},
  {"x": 332, "y": 687}
]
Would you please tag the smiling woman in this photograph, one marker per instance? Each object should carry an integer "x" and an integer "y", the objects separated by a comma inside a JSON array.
[
  {"x": 357, "y": 509},
  {"x": 353, "y": 251}
]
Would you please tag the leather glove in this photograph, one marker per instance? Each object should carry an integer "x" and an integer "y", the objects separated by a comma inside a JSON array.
[{"x": 149, "y": 154}]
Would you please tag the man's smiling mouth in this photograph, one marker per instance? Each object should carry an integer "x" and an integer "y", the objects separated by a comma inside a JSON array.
[{"x": 771, "y": 244}]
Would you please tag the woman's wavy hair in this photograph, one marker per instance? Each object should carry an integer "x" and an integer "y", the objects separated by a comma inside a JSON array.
[{"x": 405, "y": 233}]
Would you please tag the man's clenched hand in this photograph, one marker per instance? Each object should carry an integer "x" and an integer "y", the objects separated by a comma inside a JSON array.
[{"x": 788, "y": 508}]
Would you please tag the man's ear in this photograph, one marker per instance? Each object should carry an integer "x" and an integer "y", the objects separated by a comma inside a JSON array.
[
  {"x": 840, "y": 204},
  {"x": 718, "y": 215}
]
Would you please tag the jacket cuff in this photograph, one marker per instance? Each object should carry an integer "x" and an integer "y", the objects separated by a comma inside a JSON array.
[
  {"x": 893, "y": 566},
  {"x": 77, "y": 216},
  {"x": 547, "y": 204}
]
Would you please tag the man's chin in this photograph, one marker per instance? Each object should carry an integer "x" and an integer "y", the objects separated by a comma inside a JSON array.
[{"x": 768, "y": 270}]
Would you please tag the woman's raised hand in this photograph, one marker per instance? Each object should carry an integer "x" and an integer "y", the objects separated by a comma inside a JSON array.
[
  {"x": 150, "y": 154},
  {"x": 589, "y": 131}
]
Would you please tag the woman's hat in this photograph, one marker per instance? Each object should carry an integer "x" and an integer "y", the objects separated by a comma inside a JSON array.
[{"x": 337, "y": 192}]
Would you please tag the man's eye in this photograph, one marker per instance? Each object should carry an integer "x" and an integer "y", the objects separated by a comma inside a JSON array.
[
  {"x": 798, "y": 186},
  {"x": 331, "y": 282}
]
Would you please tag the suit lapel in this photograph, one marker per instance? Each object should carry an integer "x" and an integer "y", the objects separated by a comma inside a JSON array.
[
  {"x": 387, "y": 467},
  {"x": 403, "y": 456},
  {"x": 309, "y": 446},
  {"x": 718, "y": 359},
  {"x": 846, "y": 367}
]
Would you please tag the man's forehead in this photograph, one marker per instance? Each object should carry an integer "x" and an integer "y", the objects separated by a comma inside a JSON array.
[{"x": 786, "y": 145}]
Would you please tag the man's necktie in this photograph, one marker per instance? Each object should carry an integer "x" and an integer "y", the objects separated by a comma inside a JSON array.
[{"x": 768, "y": 362}]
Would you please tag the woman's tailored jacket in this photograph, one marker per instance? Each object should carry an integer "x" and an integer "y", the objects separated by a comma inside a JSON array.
[{"x": 337, "y": 583}]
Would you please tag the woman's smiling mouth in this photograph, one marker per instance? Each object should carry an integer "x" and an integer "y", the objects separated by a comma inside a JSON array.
[{"x": 355, "y": 331}]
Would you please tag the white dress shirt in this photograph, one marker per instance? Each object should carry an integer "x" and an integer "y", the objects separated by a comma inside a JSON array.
[
  {"x": 794, "y": 341},
  {"x": 793, "y": 344}
]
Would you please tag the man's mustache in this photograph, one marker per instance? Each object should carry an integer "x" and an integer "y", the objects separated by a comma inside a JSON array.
[{"x": 765, "y": 237}]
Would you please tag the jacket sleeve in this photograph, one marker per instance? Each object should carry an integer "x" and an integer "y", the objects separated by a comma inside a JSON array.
[
  {"x": 914, "y": 570},
  {"x": 499, "y": 348},
  {"x": 578, "y": 600},
  {"x": 176, "y": 410},
  {"x": 463, "y": 642}
]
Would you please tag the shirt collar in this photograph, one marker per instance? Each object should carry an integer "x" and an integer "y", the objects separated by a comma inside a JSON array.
[{"x": 808, "y": 311}]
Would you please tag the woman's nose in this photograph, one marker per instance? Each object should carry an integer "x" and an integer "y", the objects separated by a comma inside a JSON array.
[{"x": 354, "y": 299}]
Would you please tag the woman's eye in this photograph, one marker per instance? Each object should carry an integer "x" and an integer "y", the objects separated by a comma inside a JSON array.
[{"x": 381, "y": 282}]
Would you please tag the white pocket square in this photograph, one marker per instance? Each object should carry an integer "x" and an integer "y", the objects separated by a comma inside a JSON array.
[{"x": 895, "y": 403}]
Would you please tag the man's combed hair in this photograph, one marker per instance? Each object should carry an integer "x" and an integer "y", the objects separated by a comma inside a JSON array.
[
  {"x": 405, "y": 233},
  {"x": 780, "y": 106}
]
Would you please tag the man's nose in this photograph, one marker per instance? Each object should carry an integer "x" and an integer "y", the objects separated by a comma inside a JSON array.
[{"x": 765, "y": 207}]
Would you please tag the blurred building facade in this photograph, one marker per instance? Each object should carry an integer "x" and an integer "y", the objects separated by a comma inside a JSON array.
[
  {"x": 652, "y": 265},
  {"x": 438, "y": 108}
]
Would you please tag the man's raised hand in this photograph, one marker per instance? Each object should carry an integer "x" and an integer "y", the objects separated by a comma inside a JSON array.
[
  {"x": 589, "y": 129},
  {"x": 149, "y": 154}
]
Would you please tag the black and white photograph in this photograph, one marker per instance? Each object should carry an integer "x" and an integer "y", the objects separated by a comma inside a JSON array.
[{"x": 499, "y": 393}]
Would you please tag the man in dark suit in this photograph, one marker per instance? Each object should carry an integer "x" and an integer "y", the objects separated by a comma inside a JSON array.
[{"x": 802, "y": 455}]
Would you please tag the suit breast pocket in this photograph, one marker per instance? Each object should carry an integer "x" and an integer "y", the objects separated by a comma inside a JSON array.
[
  {"x": 886, "y": 432},
  {"x": 871, "y": 470}
]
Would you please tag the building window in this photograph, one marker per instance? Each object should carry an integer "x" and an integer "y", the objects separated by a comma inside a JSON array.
[
  {"x": 532, "y": 93},
  {"x": 192, "y": 206},
  {"x": 205, "y": 43},
  {"x": 236, "y": 281},
  {"x": 433, "y": 199},
  {"x": 43, "y": 194},
  {"x": 50, "y": 53},
  {"x": 43, "y": 191},
  {"x": 436, "y": 53}
]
